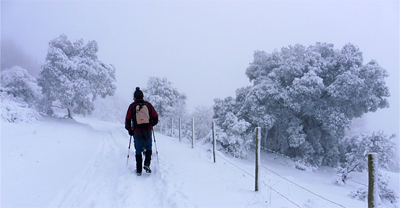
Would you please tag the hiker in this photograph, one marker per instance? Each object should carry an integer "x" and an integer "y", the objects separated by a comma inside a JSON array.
[{"x": 140, "y": 119}]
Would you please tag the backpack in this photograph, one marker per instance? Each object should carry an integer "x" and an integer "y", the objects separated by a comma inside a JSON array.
[{"x": 141, "y": 115}]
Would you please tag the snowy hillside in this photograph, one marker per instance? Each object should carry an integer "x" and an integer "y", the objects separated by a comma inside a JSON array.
[{"x": 82, "y": 163}]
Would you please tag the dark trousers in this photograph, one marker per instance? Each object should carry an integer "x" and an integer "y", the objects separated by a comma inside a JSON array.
[{"x": 142, "y": 139}]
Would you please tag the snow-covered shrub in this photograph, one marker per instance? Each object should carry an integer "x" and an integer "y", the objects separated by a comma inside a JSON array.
[
  {"x": 356, "y": 149},
  {"x": 341, "y": 176},
  {"x": 14, "y": 110},
  {"x": 385, "y": 193},
  {"x": 20, "y": 96},
  {"x": 234, "y": 141},
  {"x": 233, "y": 145},
  {"x": 18, "y": 83},
  {"x": 230, "y": 144},
  {"x": 300, "y": 166},
  {"x": 234, "y": 133},
  {"x": 360, "y": 194},
  {"x": 304, "y": 166}
]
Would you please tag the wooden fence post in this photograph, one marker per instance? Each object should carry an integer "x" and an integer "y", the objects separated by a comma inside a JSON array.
[
  {"x": 258, "y": 145},
  {"x": 172, "y": 127},
  {"x": 192, "y": 132},
  {"x": 213, "y": 135},
  {"x": 373, "y": 191},
  {"x": 179, "y": 129}
]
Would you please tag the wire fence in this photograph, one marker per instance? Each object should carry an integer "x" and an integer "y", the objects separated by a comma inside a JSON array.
[
  {"x": 261, "y": 181},
  {"x": 301, "y": 186},
  {"x": 280, "y": 176},
  {"x": 270, "y": 187},
  {"x": 282, "y": 155}
]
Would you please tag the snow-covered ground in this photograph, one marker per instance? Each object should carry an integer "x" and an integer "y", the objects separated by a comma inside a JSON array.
[{"x": 82, "y": 163}]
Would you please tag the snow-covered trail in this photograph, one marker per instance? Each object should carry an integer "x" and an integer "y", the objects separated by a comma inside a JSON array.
[
  {"x": 106, "y": 181},
  {"x": 182, "y": 177},
  {"x": 65, "y": 163}
]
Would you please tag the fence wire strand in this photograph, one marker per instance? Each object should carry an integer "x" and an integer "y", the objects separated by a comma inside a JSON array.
[
  {"x": 282, "y": 155},
  {"x": 302, "y": 187},
  {"x": 296, "y": 183},
  {"x": 254, "y": 177},
  {"x": 282, "y": 178}
]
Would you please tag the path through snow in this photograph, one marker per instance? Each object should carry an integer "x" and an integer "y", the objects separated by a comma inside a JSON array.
[
  {"x": 64, "y": 163},
  {"x": 181, "y": 177}
]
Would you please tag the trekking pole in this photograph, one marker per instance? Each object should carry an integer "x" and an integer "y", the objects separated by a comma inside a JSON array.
[
  {"x": 129, "y": 149},
  {"x": 155, "y": 143}
]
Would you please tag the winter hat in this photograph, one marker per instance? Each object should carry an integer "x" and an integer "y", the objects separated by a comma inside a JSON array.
[{"x": 138, "y": 93}]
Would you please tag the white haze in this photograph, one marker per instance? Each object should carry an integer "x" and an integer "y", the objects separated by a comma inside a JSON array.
[{"x": 204, "y": 47}]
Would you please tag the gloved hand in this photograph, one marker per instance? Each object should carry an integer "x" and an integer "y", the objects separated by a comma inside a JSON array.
[{"x": 130, "y": 132}]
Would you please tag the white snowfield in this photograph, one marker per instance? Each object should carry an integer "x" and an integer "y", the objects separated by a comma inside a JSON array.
[{"x": 82, "y": 163}]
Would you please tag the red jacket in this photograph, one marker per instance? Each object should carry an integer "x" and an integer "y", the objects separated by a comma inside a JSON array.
[{"x": 129, "y": 116}]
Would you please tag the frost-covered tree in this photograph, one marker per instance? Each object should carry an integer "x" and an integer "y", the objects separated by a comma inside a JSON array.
[
  {"x": 167, "y": 100},
  {"x": 304, "y": 98},
  {"x": 16, "y": 81},
  {"x": 73, "y": 76}
]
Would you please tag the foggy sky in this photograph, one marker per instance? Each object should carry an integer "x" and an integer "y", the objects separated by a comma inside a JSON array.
[{"x": 204, "y": 47}]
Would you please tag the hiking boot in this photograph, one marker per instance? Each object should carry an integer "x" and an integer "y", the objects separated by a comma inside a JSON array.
[
  {"x": 138, "y": 174},
  {"x": 147, "y": 169},
  {"x": 147, "y": 158}
]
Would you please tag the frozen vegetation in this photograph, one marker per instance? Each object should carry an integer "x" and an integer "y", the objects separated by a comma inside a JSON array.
[{"x": 64, "y": 144}]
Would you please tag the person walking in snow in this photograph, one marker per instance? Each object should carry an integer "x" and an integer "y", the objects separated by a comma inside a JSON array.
[{"x": 140, "y": 119}]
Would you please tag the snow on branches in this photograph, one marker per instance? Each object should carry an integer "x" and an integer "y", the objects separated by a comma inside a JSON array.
[
  {"x": 74, "y": 76},
  {"x": 19, "y": 96},
  {"x": 355, "y": 149},
  {"x": 17, "y": 82},
  {"x": 306, "y": 97},
  {"x": 167, "y": 100}
]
